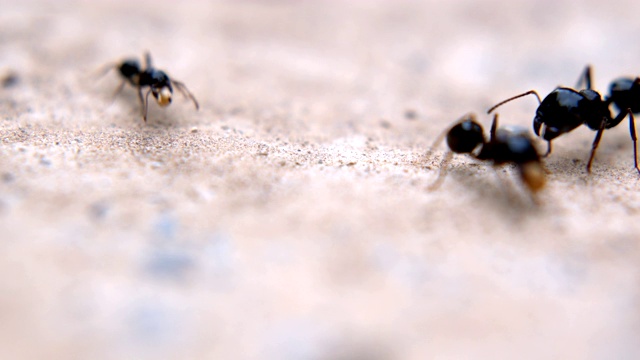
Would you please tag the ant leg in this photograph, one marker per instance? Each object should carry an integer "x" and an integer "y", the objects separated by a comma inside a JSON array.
[
  {"x": 443, "y": 172},
  {"x": 147, "y": 60},
  {"x": 530, "y": 92},
  {"x": 119, "y": 89},
  {"x": 596, "y": 142},
  {"x": 104, "y": 70},
  {"x": 494, "y": 127},
  {"x": 632, "y": 131},
  {"x": 140, "y": 97},
  {"x": 183, "y": 89},
  {"x": 548, "y": 149},
  {"x": 585, "y": 78},
  {"x": 146, "y": 104},
  {"x": 634, "y": 138}
]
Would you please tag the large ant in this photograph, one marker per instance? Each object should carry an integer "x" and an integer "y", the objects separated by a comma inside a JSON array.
[
  {"x": 159, "y": 83},
  {"x": 564, "y": 109},
  {"x": 506, "y": 145}
]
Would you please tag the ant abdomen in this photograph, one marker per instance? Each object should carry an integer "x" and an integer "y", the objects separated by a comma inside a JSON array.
[
  {"x": 507, "y": 145},
  {"x": 465, "y": 137}
]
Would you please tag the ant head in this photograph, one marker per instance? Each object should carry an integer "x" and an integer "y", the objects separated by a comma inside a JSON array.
[
  {"x": 621, "y": 84},
  {"x": 162, "y": 95},
  {"x": 624, "y": 93},
  {"x": 543, "y": 130},
  {"x": 465, "y": 136},
  {"x": 161, "y": 87}
]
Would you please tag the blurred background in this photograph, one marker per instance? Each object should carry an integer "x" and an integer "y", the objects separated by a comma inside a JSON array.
[{"x": 289, "y": 218}]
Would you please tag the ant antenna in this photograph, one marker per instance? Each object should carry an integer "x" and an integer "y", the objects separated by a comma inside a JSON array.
[
  {"x": 104, "y": 70},
  {"x": 530, "y": 92}
]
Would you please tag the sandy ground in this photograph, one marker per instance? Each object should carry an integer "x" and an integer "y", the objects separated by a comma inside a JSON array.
[{"x": 289, "y": 218}]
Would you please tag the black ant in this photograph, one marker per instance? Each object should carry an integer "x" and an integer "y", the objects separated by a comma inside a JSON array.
[
  {"x": 159, "y": 83},
  {"x": 564, "y": 109},
  {"x": 506, "y": 145}
]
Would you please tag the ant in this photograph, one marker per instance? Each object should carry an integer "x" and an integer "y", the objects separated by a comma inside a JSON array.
[
  {"x": 506, "y": 145},
  {"x": 564, "y": 109},
  {"x": 159, "y": 83}
]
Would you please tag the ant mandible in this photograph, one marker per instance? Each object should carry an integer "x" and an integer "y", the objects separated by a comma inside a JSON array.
[
  {"x": 564, "y": 109},
  {"x": 159, "y": 83},
  {"x": 506, "y": 145}
]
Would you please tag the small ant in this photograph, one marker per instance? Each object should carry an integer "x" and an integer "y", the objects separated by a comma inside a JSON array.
[
  {"x": 159, "y": 83},
  {"x": 506, "y": 145},
  {"x": 564, "y": 109}
]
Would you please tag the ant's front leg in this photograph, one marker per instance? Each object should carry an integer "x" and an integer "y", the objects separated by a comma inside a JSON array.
[
  {"x": 548, "y": 149},
  {"x": 146, "y": 105},
  {"x": 634, "y": 138},
  {"x": 632, "y": 131},
  {"x": 143, "y": 104},
  {"x": 596, "y": 142}
]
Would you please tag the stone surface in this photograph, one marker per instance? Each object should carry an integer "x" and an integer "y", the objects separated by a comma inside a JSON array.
[{"x": 289, "y": 218}]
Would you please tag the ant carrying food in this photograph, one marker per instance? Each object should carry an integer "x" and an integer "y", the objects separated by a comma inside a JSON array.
[
  {"x": 506, "y": 145},
  {"x": 564, "y": 109},
  {"x": 159, "y": 83}
]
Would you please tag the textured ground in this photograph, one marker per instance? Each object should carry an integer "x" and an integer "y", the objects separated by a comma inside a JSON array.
[{"x": 289, "y": 218}]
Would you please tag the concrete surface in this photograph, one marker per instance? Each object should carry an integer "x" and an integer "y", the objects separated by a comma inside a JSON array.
[{"x": 289, "y": 218}]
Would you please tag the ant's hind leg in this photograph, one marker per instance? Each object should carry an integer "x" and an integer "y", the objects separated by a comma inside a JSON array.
[
  {"x": 183, "y": 89},
  {"x": 596, "y": 142},
  {"x": 104, "y": 70},
  {"x": 118, "y": 90},
  {"x": 443, "y": 171},
  {"x": 585, "y": 78}
]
